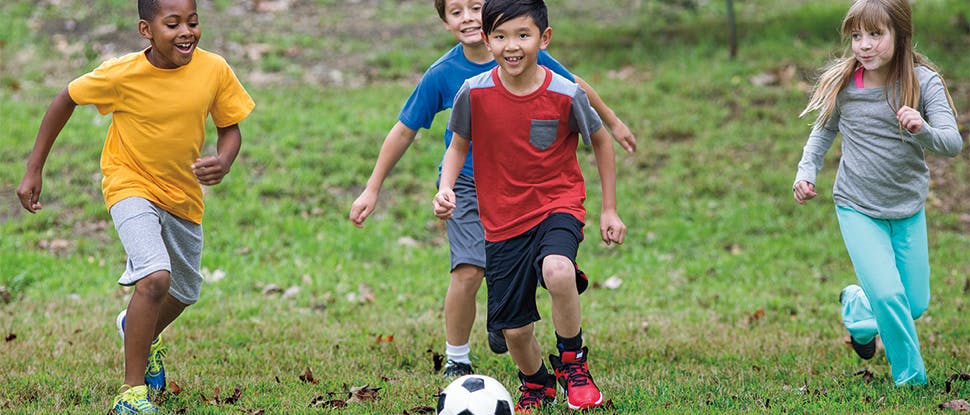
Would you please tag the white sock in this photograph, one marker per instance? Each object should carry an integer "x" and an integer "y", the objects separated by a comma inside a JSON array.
[{"x": 458, "y": 353}]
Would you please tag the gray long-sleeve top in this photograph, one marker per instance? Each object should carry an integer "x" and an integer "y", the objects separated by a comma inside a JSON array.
[{"x": 882, "y": 172}]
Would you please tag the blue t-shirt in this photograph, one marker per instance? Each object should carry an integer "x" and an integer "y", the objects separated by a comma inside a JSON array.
[{"x": 439, "y": 84}]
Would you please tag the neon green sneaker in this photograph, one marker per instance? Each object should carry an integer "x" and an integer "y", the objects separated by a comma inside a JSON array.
[
  {"x": 155, "y": 372},
  {"x": 134, "y": 401}
]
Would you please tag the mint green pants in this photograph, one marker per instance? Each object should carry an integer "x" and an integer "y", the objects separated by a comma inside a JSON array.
[{"x": 891, "y": 260}]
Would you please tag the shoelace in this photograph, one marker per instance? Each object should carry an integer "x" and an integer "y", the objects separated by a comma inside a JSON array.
[
  {"x": 530, "y": 397},
  {"x": 134, "y": 400},
  {"x": 576, "y": 374},
  {"x": 155, "y": 359}
]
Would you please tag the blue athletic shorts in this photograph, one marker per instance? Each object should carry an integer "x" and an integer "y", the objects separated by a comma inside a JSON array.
[{"x": 515, "y": 269}]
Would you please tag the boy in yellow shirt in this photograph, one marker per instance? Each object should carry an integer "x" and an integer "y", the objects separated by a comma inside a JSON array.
[{"x": 153, "y": 169}]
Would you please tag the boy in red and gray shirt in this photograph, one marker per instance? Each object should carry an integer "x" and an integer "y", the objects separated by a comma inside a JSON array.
[{"x": 525, "y": 122}]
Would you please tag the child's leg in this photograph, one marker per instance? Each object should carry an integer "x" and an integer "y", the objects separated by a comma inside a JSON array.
[
  {"x": 912, "y": 259},
  {"x": 141, "y": 321},
  {"x": 170, "y": 310},
  {"x": 559, "y": 276},
  {"x": 466, "y": 238},
  {"x": 460, "y": 307},
  {"x": 524, "y": 348},
  {"x": 870, "y": 247}
]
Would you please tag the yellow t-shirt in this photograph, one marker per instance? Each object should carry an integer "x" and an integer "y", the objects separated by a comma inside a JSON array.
[{"x": 158, "y": 125}]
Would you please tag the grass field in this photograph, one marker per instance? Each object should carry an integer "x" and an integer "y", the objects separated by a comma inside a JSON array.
[{"x": 728, "y": 301}]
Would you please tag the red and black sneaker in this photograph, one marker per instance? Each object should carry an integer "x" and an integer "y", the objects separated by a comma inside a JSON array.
[
  {"x": 572, "y": 371},
  {"x": 535, "y": 396}
]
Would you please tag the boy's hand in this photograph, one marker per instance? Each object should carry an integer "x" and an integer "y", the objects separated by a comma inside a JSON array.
[
  {"x": 612, "y": 229},
  {"x": 29, "y": 192},
  {"x": 362, "y": 207},
  {"x": 444, "y": 203},
  {"x": 803, "y": 191},
  {"x": 910, "y": 119},
  {"x": 210, "y": 170},
  {"x": 623, "y": 136}
]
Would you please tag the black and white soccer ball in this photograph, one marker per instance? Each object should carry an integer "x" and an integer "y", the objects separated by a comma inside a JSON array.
[{"x": 475, "y": 395}]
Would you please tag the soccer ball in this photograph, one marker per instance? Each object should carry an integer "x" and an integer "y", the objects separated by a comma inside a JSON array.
[{"x": 475, "y": 395}]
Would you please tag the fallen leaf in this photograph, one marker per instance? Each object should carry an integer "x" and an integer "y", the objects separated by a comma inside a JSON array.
[
  {"x": 365, "y": 294},
  {"x": 382, "y": 339},
  {"x": 612, "y": 283},
  {"x": 420, "y": 410},
  {"x": 10, "y": 337},
  {"x": 321, "y": 402},
  {"x": 954, "y": 377},
  {"x": 438, "y": 359},
  {"x": 174, "y": 388},
  {"x": 272, "y": 289},
  {"x": 758, "y": 314},
  {"x": 866, "y": 375},
  {"x": 236, "y": 394},
  {"x": 958, "y": 405},
  {"x": 257, "y": 412},
  {"x": 363, "y": 394},
  {"x": 291, "y": 292},
  {"x": 308, "y": 377}
]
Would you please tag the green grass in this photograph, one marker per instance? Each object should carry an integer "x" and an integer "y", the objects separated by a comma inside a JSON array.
[{"x": 728, "y": 301}]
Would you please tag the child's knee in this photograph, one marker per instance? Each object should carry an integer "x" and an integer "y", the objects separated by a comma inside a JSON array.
[
  {"x": 558, "y": 271},
  {"x": 155, "y": 285},
  {"x": 518, "y": 335}
]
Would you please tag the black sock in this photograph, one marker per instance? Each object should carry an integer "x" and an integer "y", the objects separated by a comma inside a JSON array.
[
  {"x": 570, "y": 344},
  {"x": 538, "y": 378}
]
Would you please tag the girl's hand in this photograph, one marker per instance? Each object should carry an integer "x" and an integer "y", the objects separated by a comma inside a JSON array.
[
  {"x": 803, "y": 191},
  {"x": 910, "y": 119},
  {"x": 29, "y": 192}
]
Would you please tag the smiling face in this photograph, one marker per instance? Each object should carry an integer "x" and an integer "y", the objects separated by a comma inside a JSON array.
[
  {"x": 515, "y": 45},
  {"x": 463, "y": 18},
  {"x": 174, "y": 33},
  {"x": 873, "y": 48}
]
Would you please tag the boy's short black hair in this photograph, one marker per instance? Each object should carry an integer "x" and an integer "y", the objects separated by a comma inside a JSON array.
[
  {"x": 496, "y": 12},
  {"x": 147, "y": 9}
]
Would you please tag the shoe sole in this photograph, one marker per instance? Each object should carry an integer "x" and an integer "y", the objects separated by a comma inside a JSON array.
[{"x": 120, "y": 323}]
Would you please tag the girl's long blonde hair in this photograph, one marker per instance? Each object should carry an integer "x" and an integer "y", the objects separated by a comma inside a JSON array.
[{"x": 902, "y": 86}]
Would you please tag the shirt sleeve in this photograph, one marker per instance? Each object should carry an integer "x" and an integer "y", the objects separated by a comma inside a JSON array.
[
  {"x": 582, "y": 117},
  {"x": 423, "y": 104},
  {"x": 95, "y": 88},
  {"x": 940, "y": 133},
  {"x": 461, "y": 113},
  {"x": 545, "y": 59},
  {"x": 813, "y": 154},
  {"x": 233, "y": 103}
]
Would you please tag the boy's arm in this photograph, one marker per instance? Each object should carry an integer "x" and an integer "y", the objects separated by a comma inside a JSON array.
[
  {"x": 210, "y": 170},
  {"x": 444, "y": 201},
  {"x": 53, "y": 122},
  {"x": 395, "y": 144},
  {"x": 619, "y": 130},
  {"x": 612, "y": 228}
]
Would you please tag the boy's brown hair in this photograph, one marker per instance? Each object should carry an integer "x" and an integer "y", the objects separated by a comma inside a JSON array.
[{"x": 440, "y": 6}]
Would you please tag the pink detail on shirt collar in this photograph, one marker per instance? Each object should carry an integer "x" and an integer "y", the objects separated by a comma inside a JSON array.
[{"x": 858, "y": 77}]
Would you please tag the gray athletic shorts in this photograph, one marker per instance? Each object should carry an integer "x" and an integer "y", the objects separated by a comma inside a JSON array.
[
  {"x": 155, "y": 240},
  {"x": 465, "y": 233}
]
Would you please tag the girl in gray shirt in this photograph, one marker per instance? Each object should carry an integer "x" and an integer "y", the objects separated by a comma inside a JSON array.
[{"x": 890, "y": 105}]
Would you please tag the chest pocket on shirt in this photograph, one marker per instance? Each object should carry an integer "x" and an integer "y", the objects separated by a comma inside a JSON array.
[{"x": 542, "y": 133}]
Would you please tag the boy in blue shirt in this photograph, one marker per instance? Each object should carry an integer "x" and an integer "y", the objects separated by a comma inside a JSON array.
[{"x": 433, "y": 94}]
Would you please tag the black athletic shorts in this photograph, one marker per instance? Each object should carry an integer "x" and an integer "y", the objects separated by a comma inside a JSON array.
[{"x": 514, "y": 269}]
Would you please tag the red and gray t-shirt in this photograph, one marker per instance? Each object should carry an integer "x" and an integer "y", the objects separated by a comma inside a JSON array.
[{"x": 525, "y": 150}]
